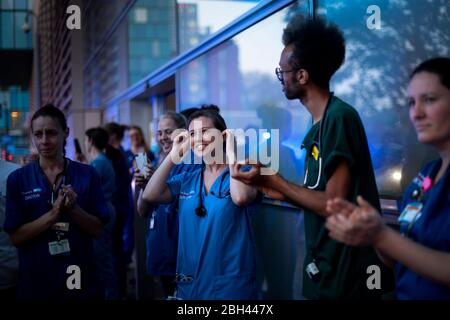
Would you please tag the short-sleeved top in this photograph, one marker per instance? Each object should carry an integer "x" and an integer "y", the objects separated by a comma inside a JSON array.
[
  {"x": 105, "y": 170},
  {"x": 216, "y": 251},
  {"x": 41, "y": 275},
  {"x": 342, "y": 268},
  {"x": 162, "y": 235},
  {"x": 431, "y": 229},
  {"x": 9, "y": 263}
]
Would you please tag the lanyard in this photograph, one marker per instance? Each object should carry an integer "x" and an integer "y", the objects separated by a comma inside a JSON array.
[
  {"x": 319, "y": 148},
  {"x": 413, "y": 210}
]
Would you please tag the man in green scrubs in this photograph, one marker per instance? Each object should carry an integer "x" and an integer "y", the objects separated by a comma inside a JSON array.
[{"x": 337, "y": 164}]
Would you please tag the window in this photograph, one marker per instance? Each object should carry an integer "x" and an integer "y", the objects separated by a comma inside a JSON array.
[
  {"x": 197, "y": 19},
  {"x": 375, "y": 74},
  {"x": 140, "y": 15},
  {"x": 12, "y": 19}
]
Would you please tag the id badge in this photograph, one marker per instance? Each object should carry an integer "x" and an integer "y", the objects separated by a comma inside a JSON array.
[
  {"x": 152, "y": 220},
  {"x": 411, "y": 213},
  {"x": 59, "y": 247},
  {"x": 312, "y": 271}
]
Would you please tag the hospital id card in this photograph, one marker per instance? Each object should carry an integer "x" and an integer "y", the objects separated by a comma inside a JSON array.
[
  {"x": 59, "y": 247},
  {"x": 411, "y": 213}
]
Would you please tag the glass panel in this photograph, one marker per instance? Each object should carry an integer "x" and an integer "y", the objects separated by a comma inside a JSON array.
[
  {"x": 7, "y": 4},
  {"x": 7, "y": 27},
  {"x": 374, "y": 77},
  {"x": 20, "y": 4},
  {"x": 21, "y": 37},
  {"x": 151, "y": 36},
  {"x": 197, "y": 19}
]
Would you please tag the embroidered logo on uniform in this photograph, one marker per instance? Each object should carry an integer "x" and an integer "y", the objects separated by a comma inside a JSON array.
[
  {"x": 187, "y": 195},
  {"x": 32, "y": 194}
]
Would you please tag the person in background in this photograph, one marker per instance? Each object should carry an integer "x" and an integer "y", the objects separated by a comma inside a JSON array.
[
  {"x": 95, "y": 142},
  {"x": 138, "y": 145},
  {"x": 9, "y": 263},
  {"x": 420, "y": 253},
  {"x": 162, "y": 234},
  {"x": 123, "y": 233},
  {"x": 55, "y": 208}
]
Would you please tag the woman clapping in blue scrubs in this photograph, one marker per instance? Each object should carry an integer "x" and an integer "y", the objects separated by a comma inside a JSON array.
[
  {"x": 54, "y": 209},
  {"x": 216, "y": 258},
  {"x": 420, "y": 255}
]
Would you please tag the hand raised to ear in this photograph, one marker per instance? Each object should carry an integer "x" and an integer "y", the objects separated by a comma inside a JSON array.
[{"x": 180, "y": 147}]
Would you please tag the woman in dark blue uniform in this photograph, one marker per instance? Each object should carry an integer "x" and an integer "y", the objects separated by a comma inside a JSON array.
[
  {"x": 420, "y": 255},
  {"x": 54, "y": 209},
  {"x": 216, "y": 258}
]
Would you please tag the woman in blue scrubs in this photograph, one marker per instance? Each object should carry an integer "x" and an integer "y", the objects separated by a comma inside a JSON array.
[
  {"x": 420, "y": 255},
  {"x": 162, "y": 234},
  {"x": 95, "y": 142},
  {"x": 216, "y": 258},
  {"x": 54, "y": 209}
]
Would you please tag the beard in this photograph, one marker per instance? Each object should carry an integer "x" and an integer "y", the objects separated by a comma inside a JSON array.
[{"x": 293, "y": 94}]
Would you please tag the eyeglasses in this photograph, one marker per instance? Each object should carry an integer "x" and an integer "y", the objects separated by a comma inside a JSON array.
[{"x": 279, "y": 72}]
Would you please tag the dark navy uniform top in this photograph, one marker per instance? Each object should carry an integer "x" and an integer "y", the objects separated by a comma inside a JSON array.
[
  {"x": 431, "y": 229},
  {"x": 29, "y": 194}
]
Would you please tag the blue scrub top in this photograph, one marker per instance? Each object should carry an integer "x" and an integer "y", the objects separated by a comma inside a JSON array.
[
  {"x": 105, "y": 170},
  {"x": 162, "y": 239},
  {"x": 216, "y": 251},
  {"x": 41, "y": 275},
  {"x": 431, "y": 229}
]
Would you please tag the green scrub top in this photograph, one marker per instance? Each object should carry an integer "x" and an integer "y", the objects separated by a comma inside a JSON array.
[{"x": 342, "y": 269}]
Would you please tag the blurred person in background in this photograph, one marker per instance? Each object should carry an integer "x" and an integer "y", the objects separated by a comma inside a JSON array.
[
  {"x": 123, "y": 234},
  {"x": 9, "y": 263},
  {"x": 162, "y": 234},
  {"x": 95, "y": 142}
]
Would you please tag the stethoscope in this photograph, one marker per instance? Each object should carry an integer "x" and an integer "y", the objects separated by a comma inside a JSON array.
[
  {"x": 319, "y": 146},
  {"x": 201, "y": 211}
]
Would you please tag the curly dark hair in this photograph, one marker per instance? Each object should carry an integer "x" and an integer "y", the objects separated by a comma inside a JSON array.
[{"x": 319, "y": 47}]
